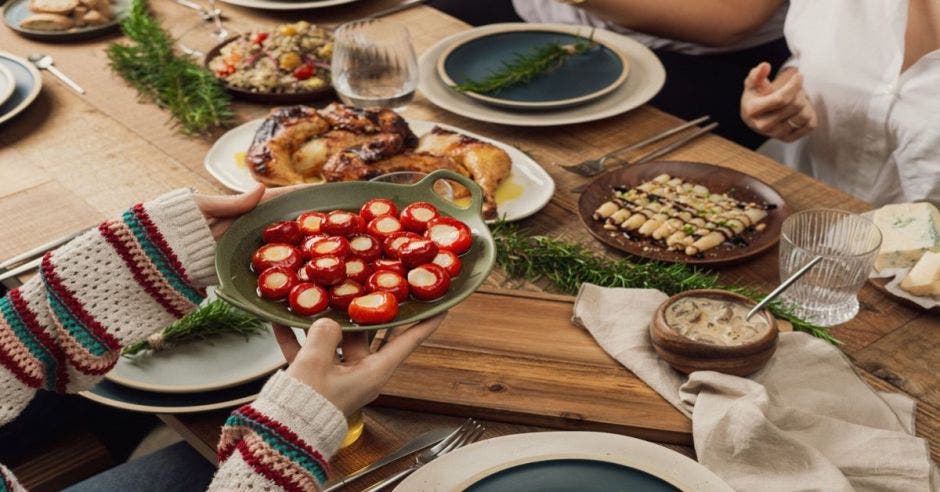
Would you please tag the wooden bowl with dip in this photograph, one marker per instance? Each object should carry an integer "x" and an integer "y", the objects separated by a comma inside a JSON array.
[{"x": 705, "y": 330}]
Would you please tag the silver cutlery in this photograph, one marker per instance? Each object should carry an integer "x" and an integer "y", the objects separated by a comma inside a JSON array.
[
  {"x": 39, "y": 250},
  {"x": 398, "y": 8},
  {"x": 468, "y": 433},
  {"x": 593, "y": 167},
  {"x": 417, "y": 444},
  {"x": 660, "y": 152},
  {"x": 784, "y": 286},
  {"x": 25, "y": 267},
  {"x": 45, "y": 62}
]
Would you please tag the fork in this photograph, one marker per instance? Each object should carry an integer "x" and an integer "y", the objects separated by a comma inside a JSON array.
[
  {"x": 468, "y": 433},
  {"x": 593, "y": 167}
]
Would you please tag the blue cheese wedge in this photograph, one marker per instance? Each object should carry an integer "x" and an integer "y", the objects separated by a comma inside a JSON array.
[
  {"x": 908, "y": 230},
  {"x": 924, "y": 278}
]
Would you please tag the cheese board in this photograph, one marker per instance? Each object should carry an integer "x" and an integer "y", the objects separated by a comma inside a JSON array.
[{"x": 538, "y": 368}]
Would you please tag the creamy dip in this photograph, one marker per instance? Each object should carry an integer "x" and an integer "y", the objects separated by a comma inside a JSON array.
[{"x": 715, "y": 321}]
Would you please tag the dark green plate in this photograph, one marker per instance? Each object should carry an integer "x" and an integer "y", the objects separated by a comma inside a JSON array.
[
  {"x": 563, "y": 475},
  {"x": 238, "y": 284},
  {"x": 578, "y": 80},
  {"x": 16, "y": 10}
]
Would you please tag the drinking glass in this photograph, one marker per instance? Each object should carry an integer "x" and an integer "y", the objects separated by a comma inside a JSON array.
[
  {"x": 441, "y": 187},
  {"x": 848, "y": 243},
  {"x": 354, "y": 430},
  {"x": 374, "y": 64}
]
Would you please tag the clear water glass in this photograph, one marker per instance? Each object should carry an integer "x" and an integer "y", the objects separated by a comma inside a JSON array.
[
  {"x": 848, "y": 243},
  {"x": 374, "y": 64}
]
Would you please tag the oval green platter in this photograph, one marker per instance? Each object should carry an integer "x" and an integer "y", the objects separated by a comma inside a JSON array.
[{"x": 238, "y": 284}]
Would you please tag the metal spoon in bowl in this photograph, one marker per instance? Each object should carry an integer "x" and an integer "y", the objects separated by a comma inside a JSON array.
[
  {"x": 783, "y": 286},
  {"x": 45, "y": 62}
]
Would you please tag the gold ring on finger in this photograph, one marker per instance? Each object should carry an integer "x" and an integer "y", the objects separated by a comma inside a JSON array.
[{"x": 794, "y": 125}]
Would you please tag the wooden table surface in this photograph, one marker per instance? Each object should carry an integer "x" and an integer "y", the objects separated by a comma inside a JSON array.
[{"x": 70, "y": 161}]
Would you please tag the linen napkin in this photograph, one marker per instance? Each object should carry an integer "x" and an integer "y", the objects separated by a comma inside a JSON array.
[{"x": 806, "y": 421}]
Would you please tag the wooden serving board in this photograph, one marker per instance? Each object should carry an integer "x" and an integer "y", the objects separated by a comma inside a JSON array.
[{"x": 515, "y": 356}]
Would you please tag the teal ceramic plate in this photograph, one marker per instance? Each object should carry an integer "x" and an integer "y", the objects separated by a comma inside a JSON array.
[
  {"x": 578, "y": 80},
  {"x": 115, "y": 395},
  {"x": 16, "y": 10},
  {"x": 563, "y": 461},
  {"x": 238, "y": 284},
  {"x": 7, "y": 84},
  {"x": 570, "y": 474},
  {"x": 27, "y": 83}
]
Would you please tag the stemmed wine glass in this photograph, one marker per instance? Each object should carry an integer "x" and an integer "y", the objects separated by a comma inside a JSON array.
[{"x": 374, "y": 64}]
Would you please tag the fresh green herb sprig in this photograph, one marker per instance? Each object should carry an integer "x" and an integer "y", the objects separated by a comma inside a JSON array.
[
  {"x": 525, "y": 67},
  {"x": 191, "y": 93},
  {"x": 215, "y": 318},
  {"x": 566, "y": 266}
]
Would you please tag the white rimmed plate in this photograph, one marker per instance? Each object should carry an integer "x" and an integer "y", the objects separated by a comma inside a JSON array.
[
  {"x": 28, "y": 83},
  {"x": 528, "y": 189},
  {"x": 7, "y": 84},
  {"x": 647, "y": 76},
  {"x": 278, "y": 5},
  {"x": 510, "y": 463},
  {"x": 208, "y": 365}
]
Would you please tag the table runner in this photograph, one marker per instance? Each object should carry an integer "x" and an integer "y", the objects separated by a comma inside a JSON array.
[{"x": 805, "y": 421}]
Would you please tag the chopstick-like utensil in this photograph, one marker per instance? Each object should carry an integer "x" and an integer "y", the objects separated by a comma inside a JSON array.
[
  {"x": 417, "y": 444},
  {"x": 592, "y": 167},
  {"x": 39, "y": 250},
  {"x": 784, "y": 286},
  {"x": 25, "y": 267},
  {"x": 397, "y": 8},
  {"x": 660, "y": 152}
]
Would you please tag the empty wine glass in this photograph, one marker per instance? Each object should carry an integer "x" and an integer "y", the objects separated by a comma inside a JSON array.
[
  {"x": 847, "y": 243},
  {"x": 374, "y": 64}
]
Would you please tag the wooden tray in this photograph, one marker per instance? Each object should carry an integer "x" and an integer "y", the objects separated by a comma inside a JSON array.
[{"x": 516, "y": 357}]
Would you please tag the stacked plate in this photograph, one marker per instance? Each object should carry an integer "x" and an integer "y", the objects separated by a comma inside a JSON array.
[
  {"x": 20, "y": 83},
  {"x": 287, "y": 4},
  {"x": 613, "y": 76},
  {"x": 207, "y": 375}
]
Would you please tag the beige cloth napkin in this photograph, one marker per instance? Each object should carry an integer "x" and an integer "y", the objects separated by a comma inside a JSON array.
[{"x": 804, "y": 422}]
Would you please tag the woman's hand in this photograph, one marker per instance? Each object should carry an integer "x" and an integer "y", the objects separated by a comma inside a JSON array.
[
  {"x": 356, "y": 380},
  {"x": 778, "y": 109},
  {"x": 221, "y": 210}
]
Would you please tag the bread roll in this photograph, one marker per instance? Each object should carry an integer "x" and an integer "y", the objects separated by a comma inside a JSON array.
[{"x": 47, "y": 22}]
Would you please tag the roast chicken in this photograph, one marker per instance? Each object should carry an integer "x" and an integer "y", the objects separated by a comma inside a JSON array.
[{"x": 299, "y": 144}]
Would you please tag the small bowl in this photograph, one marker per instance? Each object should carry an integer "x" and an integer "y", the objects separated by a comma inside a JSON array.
[{"x": 686, "y": 355}]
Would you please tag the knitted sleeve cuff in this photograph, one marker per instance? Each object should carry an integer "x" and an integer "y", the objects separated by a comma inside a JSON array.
[
  {"x": 177, "y": 217},
  {"x": 304, "y": 411}
]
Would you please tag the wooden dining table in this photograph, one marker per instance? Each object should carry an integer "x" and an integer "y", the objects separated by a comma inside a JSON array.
[{"x": 72, "y": 160}]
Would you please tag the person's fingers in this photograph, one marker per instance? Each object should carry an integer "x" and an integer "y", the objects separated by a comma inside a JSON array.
[
  {"x": 355, "y": 346},
  {"x": 287, "y": 341},
  {"x": 756, "y": 79},
  {"x": 783, "y": 77},
  {"x": 805, "y": 122},
  {"x": 404, "y": 343},
  {"x": 223, "y": 206},
  {"x": 779, "y": 98},
  {"x": 323, "y": 338},
  {"x": 769, "y": 121}
]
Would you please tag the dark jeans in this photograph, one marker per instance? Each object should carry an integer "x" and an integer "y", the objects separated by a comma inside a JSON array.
[
  {"x": 178, "y": 468},
  {"x": 696, "y": 85}
]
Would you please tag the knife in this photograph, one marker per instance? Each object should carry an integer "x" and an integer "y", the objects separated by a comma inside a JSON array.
[{"x": 417, "y": 444}]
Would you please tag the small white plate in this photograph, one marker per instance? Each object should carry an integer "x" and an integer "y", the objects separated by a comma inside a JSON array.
[
  {"x": 276, "y": 5},
  {"x": 206, "y": 365},
  {"x": 647, "y": 77},
  {"x": 27, "y": 84},
  {"x": 533, "y": 185},
  {"x": 7, "y": 84},
  {"x": 466, "y": 466}
]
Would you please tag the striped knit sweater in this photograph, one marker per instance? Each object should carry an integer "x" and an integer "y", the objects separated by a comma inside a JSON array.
[{"x": 64, "y": 329}]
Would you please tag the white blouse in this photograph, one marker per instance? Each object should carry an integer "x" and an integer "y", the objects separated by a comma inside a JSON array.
[
  {"x": 552, "y": 11},
  {"x": 879, "y": 129}
]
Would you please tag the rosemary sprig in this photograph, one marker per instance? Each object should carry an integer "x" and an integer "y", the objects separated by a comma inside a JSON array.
[
  {"x": 524, "y": 67},
  {"x": 566, "y": 266},
  {"x": 215, "y": 318},
  {"x": 194, "y": 96}
]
